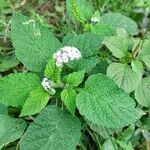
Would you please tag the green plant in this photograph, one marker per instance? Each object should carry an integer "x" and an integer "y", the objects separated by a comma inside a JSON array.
[{"x": 67, "y": 91}]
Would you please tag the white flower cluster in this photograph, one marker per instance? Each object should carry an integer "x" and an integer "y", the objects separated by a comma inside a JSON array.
[
  {"x": 95, "y": 19},
  {"x": 66, "y": 54},
  {"x": 47, "y": 85}
]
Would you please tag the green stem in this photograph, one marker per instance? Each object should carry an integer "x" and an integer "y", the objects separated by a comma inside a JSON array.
[
  {"x": 96, "y": 139},
  {"x": 98, "y": 142},
  {"x": 136, "y": 48},
  {"x": 109, "y": 137},
  {"x": 147, "y": 145}
]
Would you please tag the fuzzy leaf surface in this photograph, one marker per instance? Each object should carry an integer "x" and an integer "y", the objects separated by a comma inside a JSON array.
[
  {"x": 7, "y": 62},
  {"x": 15, "y": 88},
  {"x": 75, "y": 78},
  {"x": 68, "y": 96},
  {"x": 11, "y": 129},
  {"x": 117, "y": 45},
  {"x": 52, "y": 129},
  {"x": 89, "y": 45},
  {"x": 34, "y": 44},
  {"x": 117, "y": 20},
  {"x": 52, "y": 71},
  {"x": 142, "y": 93},
  {"x": 145, "y": 53},
  {"x": 103, "y": 103},
  {"x": 124, "y": 76},
  {"x": 36, "y": 101}
]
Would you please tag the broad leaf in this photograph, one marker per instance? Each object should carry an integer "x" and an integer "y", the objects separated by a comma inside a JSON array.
[
  {"x": 116, "y": 20},
  {"x": 33, "y": 43},
  {"x": 84, "y": 63},
  {"x": 52, "y": 71},
  {"x": 3, "y": 109},
  {"x": 67, "y": 38},
  {"x": 36, "y": 101},
  {"x": 68, "y": 96},
  {"x": 137, "y": 68},
  {"x": 104, "y": 104},
  {"x": 117, "y": 45},
  {"x": 101, "y": 130},
  {"x": 142, "y": 93},
  {"x": 108, "y": 145},
  {"x": 7, "y": 62},
  {"x": 101, "y": 67},
  {"x": 83, "y": 8},
  {"x": 89, "y": 45},
  {"x": 11, "y": 129},
  {"x": 53, "y": 129},
  {"x": 122, "y": 33},
  {"x": 145, "y": 53},
  {"x": 127, "y": 134},
  {"x": 15, "y": 88},
  {"x": 124, "y": 76},
  {"x": 75, "y": 78},
  {"x": 103, "y": 30}
]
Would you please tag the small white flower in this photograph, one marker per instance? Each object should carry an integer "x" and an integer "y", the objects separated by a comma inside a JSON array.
[
  {"x": 69, "y": 54},
  {"x": 76, "y": 53},
  {"x": 47, "y": 85},
  {"x": 59, "y": 61},
  {"x": 65, "y": 57},
  {"x": 95, "y": 19},
  {"x": 66, "y": 54},
  {"x": 57, "y": 54},
  {"x": 58, "y": 64}
]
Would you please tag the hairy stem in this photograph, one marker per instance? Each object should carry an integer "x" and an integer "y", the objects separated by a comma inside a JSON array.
[{"x": 109, "y": 137}]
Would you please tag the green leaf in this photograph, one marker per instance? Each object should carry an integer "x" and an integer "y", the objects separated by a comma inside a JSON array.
[
  {"x": 68, "y": 96},
  {"x": 7, "y": 62},
  {"x": 101, "y": 130},
  {"x": 75, "y": 78},
  {"x": 36, "y": 101},
  {"x": 34, "y": 44},
  {"x": 103, "y": 30},
  {"x": 101, "y": 67},
  {"x": 84, "y": 63},
  {"x": 15, "y": 88},
  {"x": 137, "y": 68},
  {"x": 53, "y": 129},
  {"x": 145, "y": 53},
  {"x": 142, "y": 93},
  {"x": 3, "y": 109},
  {"x": 108, "y": 145},
  {"x": 89, "y": 45},
  {"x": 125, "y": 145},
  {"x": 104, "y": 104},
  {"x": 84, "y": 9},
  {"x": 116, "y": 20},
  {"x": 67, "y": 38},
  {"x": 122, "y": 33},
  {"x": 124, "y": 76},
  {"x": 146, "y": 134},
  {"x": 117, "y": 45},
  {"x": 127, "y": 134},
  {"x": 11, "y": 129},
  {"x": 52, "y": 71}
]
